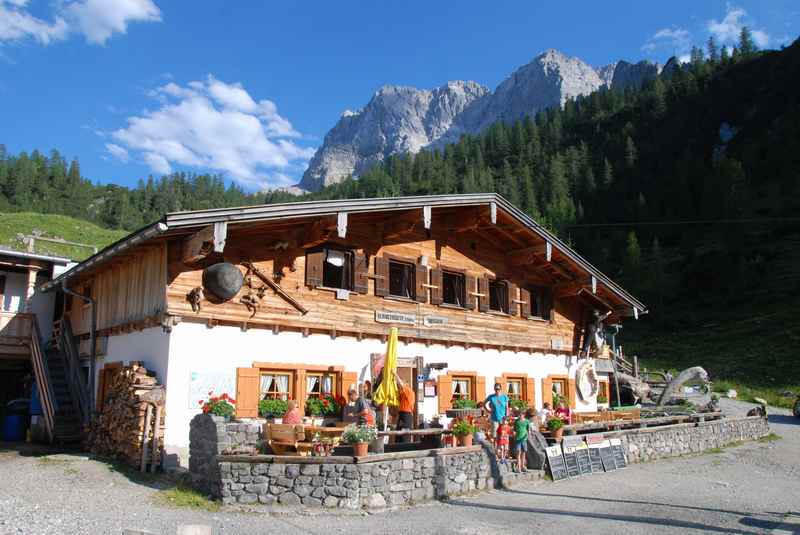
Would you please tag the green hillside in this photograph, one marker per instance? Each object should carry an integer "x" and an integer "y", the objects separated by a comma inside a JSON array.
[{"x": 15, "y": 225}]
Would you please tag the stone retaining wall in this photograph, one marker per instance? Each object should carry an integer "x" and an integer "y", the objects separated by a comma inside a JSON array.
[{"x": 682, "y": 439}]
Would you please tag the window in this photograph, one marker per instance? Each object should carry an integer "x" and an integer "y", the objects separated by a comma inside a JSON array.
[
  {"x": 276, "y": 385},
  {"x": 320, "y": 385},
  {"x": 401, "y": 279},
  {"x": 462, "y": 388},
  {"x": 514, "y": 388},
  {"x": 453, "y": 288},
  {"x": 498, "y": 296},
  {"x": 540, "y": 303},
  {"x": 560, "y": 391},
  {"x": 337, "y": 269},
  {"x": 602, "y": 391}
]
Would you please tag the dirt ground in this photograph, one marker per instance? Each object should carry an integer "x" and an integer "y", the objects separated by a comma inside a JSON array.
[{"x": 753, "y": 488}]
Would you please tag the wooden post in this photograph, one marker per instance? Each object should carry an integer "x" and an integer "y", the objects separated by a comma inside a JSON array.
[
  {"x": 31, "y": 289},
  {"x": 148, "y": 417},
  {"x": 154, "y": 460},
  {"x": 635, "y": 366}
]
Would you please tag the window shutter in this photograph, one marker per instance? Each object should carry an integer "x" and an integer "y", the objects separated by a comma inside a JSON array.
[
  {"x": 525, "y": 305},
  {"x": 530, "y": 391},
  {"x": 512, "y": 298},
  {"x": 314, "y": 262},
  {"x": 547, "y": 392},
  {"x": 480, "y": 388},
  {"x": 360, "y": 269},
  {"x": 469, "y": 301},
  {"x": 483, "y": 289},
  {"x": 571, "y": 393},
  {"x": 436, "y": 280},
  {"x": 348, "y": 379},
  {"x": 247, "y": 392},
  {"x": 420, "y": 280},
  {"x": 444, "y": 391},
  {"x": 381, "y": 276}
]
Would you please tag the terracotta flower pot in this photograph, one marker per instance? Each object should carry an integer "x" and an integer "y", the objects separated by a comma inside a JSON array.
[
  {"x": 557, "y": 434},
  {"x": 465, "y": 440},
  {"x": 360, "y": 449}
]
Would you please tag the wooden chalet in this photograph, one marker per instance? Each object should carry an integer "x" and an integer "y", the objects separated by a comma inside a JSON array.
[{"x": 479, "y": 291}]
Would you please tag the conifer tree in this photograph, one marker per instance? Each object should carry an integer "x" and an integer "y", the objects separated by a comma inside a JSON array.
[
  {"x": 713, "y": 51},
  {"x": 747, "y": 46},
  {"x": 633, "y": 257}
]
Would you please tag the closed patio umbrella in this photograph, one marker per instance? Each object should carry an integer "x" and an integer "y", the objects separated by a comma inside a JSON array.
[{"x": 387, "y": 394}]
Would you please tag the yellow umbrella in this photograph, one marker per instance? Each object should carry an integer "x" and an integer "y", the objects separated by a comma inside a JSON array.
[{"x": 387, "y": 394}]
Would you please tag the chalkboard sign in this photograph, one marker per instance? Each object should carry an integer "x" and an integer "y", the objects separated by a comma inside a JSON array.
[
  {"x": 595, "y": 459},
  {"x": 619, "y": 453},
  {"x": 584, "y": 462},
  {"x": 571, "y": 460},
  {"x": 555, "y": 460},
  {"x": 607, "y": 456}
]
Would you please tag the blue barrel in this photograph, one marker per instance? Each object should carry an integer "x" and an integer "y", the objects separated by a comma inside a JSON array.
[{"x": 14, "y": 428}]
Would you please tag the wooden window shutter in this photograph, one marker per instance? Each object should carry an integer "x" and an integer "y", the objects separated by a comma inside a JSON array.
[
  {"x": 469, "y": 302},
  {"x": 421, "y": 281},
  {"x": 512, "y": 298},
  {"x": 381, "y": 276},
  {"x": 314, "y": 262},
  {"x": 360, "y": 272},
  {"x": 530, "y": 391},
  {"x": 483, "y": 289},
  {"x": 480, "y": 388},
  {"x": 547, "y": 392},
  {"x": 444, "y": 391},
  {"x": 299, "y": 394},
  {"x": 247, "y": 391},
  {"x": 525, "y": 304},
  {"x": 437, "y": 292},
  {"x": 348, "y": 379},
  {"x": 571, "y": 393}
]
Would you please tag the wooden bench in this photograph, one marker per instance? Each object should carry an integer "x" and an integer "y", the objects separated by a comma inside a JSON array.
[{"x": 287, "y": 438}]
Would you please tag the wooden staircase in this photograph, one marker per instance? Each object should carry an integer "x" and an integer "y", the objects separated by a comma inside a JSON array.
[{"x": 67, "y": 425}]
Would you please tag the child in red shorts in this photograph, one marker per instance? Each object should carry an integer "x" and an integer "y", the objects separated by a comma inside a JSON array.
[{"x": 502, "y": 440}]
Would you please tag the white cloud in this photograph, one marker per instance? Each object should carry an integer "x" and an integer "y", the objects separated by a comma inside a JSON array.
[
  {"x": 120, "y": 153},
  {"x": 97, "y": 20},
  {"x": 213, "y": 125},
  {"x": 727, "y": 30},
  {"x": 673, "y": 40}
]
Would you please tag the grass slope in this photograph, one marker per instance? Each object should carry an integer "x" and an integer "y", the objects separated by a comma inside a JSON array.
[{"x": 12, "y": 225}]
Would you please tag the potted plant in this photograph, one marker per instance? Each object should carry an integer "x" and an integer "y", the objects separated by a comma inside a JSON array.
[
  {"x": 359, "y": 436},
  {"x": 463, "y": 430},
  {"x": 323, "y": 407},
  {"x": 273, "y": 409},
  {"x": 463, "y": 408},
  {"x": 556, "y": 428},
  {"x": 518, "y": 404},
  {"x": 222, "y": 405}
]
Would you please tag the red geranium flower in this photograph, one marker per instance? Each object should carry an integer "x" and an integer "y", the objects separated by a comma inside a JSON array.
[
  {"x": 210, "y": 392},
  {"x": 232, "y": 401},
  {"x": 200, "y": 402}
]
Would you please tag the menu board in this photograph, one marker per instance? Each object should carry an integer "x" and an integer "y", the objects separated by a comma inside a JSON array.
[
  {"x": 619, "y": 453},
  {"x": 596, "y": 461},
  {"x": 607, "y": 456},
  {"x": 571, "y": 460},
  {"x": 584, "y": 462},
  {"x": 555, "y": 460}
]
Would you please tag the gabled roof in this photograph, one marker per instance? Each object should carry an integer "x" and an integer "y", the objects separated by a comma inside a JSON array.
[
  {"x": 184, "y": 221},
  {"x": 34, "y": 256}
]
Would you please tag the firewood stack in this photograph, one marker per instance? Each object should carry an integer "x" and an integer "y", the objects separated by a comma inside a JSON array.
[{"x": 130, "y": 425}]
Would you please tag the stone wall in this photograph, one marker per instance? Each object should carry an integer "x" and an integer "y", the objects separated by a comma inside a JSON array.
[{"x": 645, "y": 445}]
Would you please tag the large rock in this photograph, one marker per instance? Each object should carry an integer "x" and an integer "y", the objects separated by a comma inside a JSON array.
[{"x": 633, "y": 75}]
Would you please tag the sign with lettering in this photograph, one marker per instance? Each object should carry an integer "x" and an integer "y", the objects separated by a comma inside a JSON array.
[
  {"x": 584, "y": 462},
  {"x": 555, "y": 460},
  {"x": 619, "y": 453},
  {"x": 595, "y": 460},
  {"x": 607, "y": 456},
  {"x": 571, "y": 461},
  {"x": 434, "y": 321},
  {"x": 386, "y": 316}
]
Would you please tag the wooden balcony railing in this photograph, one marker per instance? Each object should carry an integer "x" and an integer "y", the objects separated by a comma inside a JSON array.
[{"x": 15, "y": 327}]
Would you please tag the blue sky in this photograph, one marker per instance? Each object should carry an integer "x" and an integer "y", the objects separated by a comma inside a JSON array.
[{"x": 249, "y": 89}]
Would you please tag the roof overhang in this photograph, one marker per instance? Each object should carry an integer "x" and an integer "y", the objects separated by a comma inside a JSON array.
[{"x": 185, "y": 221}]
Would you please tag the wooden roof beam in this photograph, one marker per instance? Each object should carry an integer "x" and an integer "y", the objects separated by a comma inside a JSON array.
[{"x": 210, "y": 239}]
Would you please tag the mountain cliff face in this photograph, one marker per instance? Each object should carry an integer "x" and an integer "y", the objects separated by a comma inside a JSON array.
[{"x": 405, "y": 119}]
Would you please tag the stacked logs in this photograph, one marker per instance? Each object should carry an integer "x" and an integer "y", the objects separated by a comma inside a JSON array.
[{"x": 130, "y": 425}]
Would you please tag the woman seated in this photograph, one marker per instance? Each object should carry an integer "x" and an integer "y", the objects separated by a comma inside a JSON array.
[
  {"x": 292, "y": 415},
  {"x": 563, "y": 412}
]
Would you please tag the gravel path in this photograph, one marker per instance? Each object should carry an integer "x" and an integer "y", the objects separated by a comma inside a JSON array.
[{"x": 745, "y": 489}]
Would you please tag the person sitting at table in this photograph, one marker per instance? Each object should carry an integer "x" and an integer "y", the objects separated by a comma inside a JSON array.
[
  {"x": 358, "y": 409},
  {"x": 563, "y": 412},
  {"x": 292, "y": 415},
  {"x": 405, "y": 416},
  {"x": 545, "y": 414}
]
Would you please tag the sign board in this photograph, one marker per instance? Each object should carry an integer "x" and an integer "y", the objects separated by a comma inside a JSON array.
[
  {"x": 571, "y": 461},
  {"x": 607, "y": 456},
  {"x": 584, "y": 462},
  {"x": 619, "y": 453},
  {"x": 430, "y": 388},
  {"x": 555, "y": 460},
  {"x": 203, "y": 382},
  {"x": 595, "y": 460},
  {"x": 386, "y": 316},
  {"x": 603, "y": 366},
  {"x": 434, "y": 321}
]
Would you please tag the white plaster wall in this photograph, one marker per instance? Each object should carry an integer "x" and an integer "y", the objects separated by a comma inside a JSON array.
[
  {"x": 194, "y": 347},
  {"x": 16, "y": 288}
]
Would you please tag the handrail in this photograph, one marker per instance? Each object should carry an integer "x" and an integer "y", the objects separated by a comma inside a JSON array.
[
  {"x": 43, "y": 383},
  {"x": 77, "y": 385}
]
